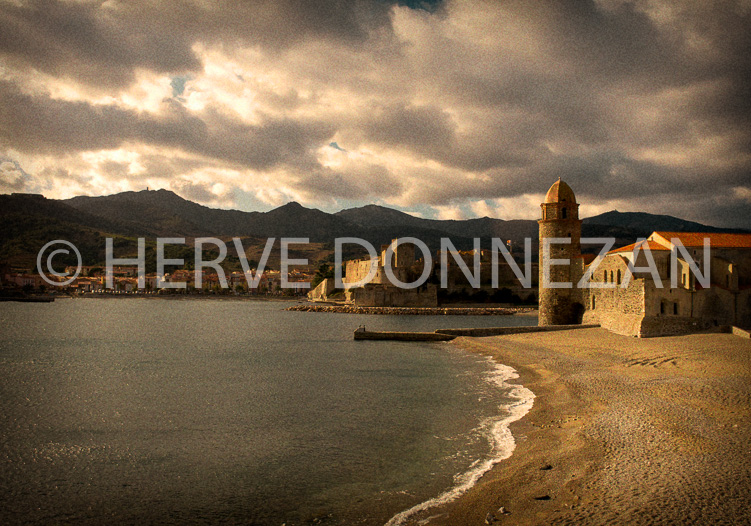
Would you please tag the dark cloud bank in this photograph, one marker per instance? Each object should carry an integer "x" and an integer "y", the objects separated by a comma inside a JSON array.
[{"x": 640, "y": 103}]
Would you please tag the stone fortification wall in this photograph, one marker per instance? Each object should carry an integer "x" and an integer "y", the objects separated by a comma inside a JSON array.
[
  {"x": 456, "y": 280},
  {"x": 652, "y": 326},
  {"x": 356, "y": 270},
  {"x": 618, "y": 309},
  {"x": 322, "y": 290},
  {"x": 388, "y": 296},
  {"x": 412, "y": 311}
]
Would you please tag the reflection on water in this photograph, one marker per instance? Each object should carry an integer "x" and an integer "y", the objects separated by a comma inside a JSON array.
[{"x": 137, "y": 410}]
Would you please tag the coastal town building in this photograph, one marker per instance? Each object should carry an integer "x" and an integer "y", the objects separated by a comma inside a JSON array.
[
  {"x": 178, "y": 281},
  {"x": 663, "y": 285},
  {"x": 673, "y": 299}
]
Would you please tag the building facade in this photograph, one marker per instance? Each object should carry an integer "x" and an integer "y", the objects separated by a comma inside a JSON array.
[
  {"x": 663, "y": 285},
  {"x": 664, "y": 296}
]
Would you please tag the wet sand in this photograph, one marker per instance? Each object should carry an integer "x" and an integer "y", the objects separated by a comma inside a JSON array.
[{"x": 623, "y": 431}]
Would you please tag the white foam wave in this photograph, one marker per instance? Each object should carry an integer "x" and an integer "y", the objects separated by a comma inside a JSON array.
[{"x": 502, "y": 442}]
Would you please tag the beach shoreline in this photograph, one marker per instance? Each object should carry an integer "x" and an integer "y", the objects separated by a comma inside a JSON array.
[{"x": 622, "y": 431}]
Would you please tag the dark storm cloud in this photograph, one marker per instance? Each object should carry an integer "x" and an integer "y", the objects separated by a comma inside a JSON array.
[
  {"x": 618, "y": 102},
  {"x": 419, "y": 128},
  {"x": 370, "y": 182},
  {"x": 103, "y": 43},
  {"x": 91, "y": 43},
  {"x": 43, "y": 125},
  {"x": 641, "y": 102}
]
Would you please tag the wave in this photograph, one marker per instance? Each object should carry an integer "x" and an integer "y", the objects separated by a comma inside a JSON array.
[{"x": 500, "y": 437}]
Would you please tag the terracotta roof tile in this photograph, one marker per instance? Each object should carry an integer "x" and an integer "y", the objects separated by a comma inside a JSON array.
[
  {"x": 716, "y": 240},
  {"x": 652, "y": 245}
]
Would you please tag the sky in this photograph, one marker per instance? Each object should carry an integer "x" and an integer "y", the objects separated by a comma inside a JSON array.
[{"x": 444, "y": 109}]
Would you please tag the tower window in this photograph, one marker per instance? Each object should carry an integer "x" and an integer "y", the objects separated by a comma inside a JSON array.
[
  {"x": 593, "y": 303},
  {"x": 611, "y": 276},
  {"x": 563, "y": 213},
  {"x": 675, "y": 308},
  {"x": 605, "y": 276},
  {"x": 619, "y": 276}
]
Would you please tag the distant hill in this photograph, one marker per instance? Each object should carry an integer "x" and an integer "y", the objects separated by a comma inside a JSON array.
[
  {"x": 648, "y": 223},
  {"x": 163, "y": 213},
  {"x": 484, "y": 227},
  {"x": 28, "y": 221}
]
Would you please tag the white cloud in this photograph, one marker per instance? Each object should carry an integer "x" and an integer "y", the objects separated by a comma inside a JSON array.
[
  {"x": 742, "y": 193},
  {"x": 449, "y": 212},
  {"x": 526, "y": 206},
  {"x": 471, "y": 110}
]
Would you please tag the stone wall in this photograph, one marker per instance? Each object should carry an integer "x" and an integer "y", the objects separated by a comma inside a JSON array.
[
  {"x": 652, "y": 326},
  {"x": 715, "y": 305},
  {"x": 560, "y": 306},
  {"x": 373, "y": 295},
  {"x": 643, "y": 309},
  {"x": 456, "y": 279},
  {"x": 499, "y": 331},
  {"x": 322, "y": 290},
  {"x": 356, "y": 270},
  {"x": 618, "y": 309}
]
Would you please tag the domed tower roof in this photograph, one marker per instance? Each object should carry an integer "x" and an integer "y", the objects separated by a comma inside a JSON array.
[{"x": 560, "y": 192}]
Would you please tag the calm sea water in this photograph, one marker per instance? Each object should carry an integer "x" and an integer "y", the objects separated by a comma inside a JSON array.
[{"x": 234, "y": 412}]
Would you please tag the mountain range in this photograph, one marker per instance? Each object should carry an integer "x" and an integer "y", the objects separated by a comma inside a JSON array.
[{"x": 27, "y": 222}]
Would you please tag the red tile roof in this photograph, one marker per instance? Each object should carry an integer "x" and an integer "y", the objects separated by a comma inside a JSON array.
[
  {"x": 716, "y": 240},
  {"x": 652, "y": 245}
]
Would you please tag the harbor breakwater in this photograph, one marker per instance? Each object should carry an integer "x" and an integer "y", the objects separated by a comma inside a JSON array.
[{"x": 426, "y": 311}]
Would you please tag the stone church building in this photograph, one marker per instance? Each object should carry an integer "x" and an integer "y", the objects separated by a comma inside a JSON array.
[{"x": 659, "y": 297}]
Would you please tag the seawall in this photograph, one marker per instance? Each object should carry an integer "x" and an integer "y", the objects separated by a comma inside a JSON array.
[
  {"x": 425, "y": 311},
  {"x": 450, "y": 334},
  {"x": 498, "y": 331},
  {"x": 403, "y": 336}
]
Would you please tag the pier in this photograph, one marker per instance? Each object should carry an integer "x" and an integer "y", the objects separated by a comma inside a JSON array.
[{"x": 445, "y": 335}]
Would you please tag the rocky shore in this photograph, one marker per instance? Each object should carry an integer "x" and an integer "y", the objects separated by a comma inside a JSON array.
[{"x": 430, "y": 311}]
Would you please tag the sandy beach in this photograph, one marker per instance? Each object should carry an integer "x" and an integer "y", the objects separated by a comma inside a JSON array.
[{"x": 623, "y": 431}]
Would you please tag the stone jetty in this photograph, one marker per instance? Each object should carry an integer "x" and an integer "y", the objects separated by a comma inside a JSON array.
[{"x": 429, "y": 311}]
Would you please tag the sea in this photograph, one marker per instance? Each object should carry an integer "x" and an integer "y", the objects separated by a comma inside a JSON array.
[{"x": 161, "y": 411}]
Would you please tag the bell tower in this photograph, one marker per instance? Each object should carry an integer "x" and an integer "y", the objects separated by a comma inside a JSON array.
[{"x": 560, "y": 302}]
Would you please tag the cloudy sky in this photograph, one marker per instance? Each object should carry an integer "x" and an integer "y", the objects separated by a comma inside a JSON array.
[{"x": 446, "y": 109}]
